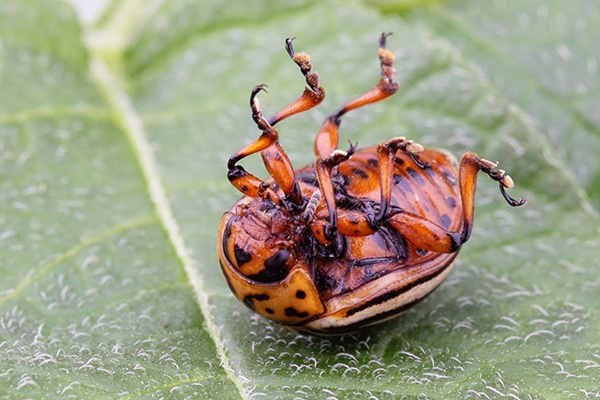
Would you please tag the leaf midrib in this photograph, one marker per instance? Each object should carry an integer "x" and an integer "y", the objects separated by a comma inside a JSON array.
[{"x": 130, "y": 122}]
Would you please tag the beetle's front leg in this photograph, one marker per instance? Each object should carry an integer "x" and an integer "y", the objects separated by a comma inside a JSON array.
[{"x": 250, "y": 185}]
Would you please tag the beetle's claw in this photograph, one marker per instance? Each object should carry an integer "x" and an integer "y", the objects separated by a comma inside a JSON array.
[
  {"x": 383, "y": 39},
  {"x": 512, "y": 202},
  {"x": 288, "y": 46},
  {"x": 352, "y": 148}
]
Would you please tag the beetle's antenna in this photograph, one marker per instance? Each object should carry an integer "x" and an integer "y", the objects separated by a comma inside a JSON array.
[{"x": 311, "y": 206}]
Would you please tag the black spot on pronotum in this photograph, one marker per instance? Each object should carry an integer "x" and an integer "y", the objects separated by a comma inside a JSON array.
[
  {"x": 269, "y": 311},
  {"x": 359, "y": 172},
  {"x": 300, "y": 294},
  {"x": 241, "y": 256},
  {"x": 292, "y": 312},
  {"x": 451, "y": 201},
  {"x": 275, "y": 267},
  {"x": 416, "y": 176},
  {"x": 446, "y": 221},
  {"x": 278, "y": 259}
]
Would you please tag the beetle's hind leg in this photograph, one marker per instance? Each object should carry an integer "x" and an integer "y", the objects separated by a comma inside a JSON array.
[
  {"x": 421, "y": 232},
  {"x": 470, "y": 165},
  {"x": 427, "y": 235}
]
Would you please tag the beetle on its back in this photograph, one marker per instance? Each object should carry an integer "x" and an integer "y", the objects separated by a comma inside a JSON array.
[{"x": 354, "y": 239}]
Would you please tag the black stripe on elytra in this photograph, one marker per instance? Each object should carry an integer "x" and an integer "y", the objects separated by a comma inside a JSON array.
[
  {"x": 339, "y": 330},
  {"x": 404, "y": 185},
  {"x": 395, "y": 293},
  {"x": 416, "y": 176},
  {"x": 373, "y": 261},
  {"x": 359, "y": 172}
]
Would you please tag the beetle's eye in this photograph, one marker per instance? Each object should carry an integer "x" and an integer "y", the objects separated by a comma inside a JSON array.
[{"x": 277, "y": 260}]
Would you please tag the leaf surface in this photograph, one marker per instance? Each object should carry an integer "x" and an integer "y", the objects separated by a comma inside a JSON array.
[{"x": 114, "y": 138}]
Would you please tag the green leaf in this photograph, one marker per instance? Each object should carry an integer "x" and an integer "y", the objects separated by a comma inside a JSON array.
[{"x": 114, "y": 137}]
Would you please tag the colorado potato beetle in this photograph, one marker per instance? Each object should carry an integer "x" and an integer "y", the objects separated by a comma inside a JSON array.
[{"x": 357, "y": 237}]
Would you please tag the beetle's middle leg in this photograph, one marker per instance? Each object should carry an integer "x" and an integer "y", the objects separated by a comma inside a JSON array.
[{"x": 326, "y": 141}]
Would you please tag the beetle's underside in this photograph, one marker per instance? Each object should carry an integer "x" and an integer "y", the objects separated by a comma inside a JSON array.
[{"x": 355, "y": 238}]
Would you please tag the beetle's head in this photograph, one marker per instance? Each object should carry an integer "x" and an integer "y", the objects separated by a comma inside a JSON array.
[{"x": 259, "y": 240}]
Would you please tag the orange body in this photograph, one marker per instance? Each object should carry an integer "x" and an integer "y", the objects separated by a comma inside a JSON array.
[{"x": 333, "y": 285}]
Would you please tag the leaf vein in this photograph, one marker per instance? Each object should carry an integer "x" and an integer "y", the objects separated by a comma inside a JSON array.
[
  {"x": 133, "y": 127},
  {"x": 90, "y": 241},
  {"x": 53, "y": 112}
]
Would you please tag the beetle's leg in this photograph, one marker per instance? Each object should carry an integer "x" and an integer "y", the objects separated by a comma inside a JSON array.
[
  {"x": 386, "y": 152},
  {"x": 311, "y": 97},
  {"x": 323, "y": 168},
  {"x": 419, "y": 231},
  {"x": 470, "y": 165},
  {"x": 430, "y": 236},
  {"x": 425, "y": 234},
  {"x": 250, "y": 185},
  {"x": 327, "y": 139},
  {"x": 276, "y": 161}
]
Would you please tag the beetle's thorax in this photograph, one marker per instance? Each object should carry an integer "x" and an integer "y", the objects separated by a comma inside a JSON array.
[{"x": 262, "y": 237}]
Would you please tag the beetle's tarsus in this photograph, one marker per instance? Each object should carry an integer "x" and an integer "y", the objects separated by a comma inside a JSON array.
[
  {"x": 512, "y": 202},
  {"x": 504, "y": 181},
  {"x": 383, "y": 39},
  {"x": 289, "y": 47}
]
